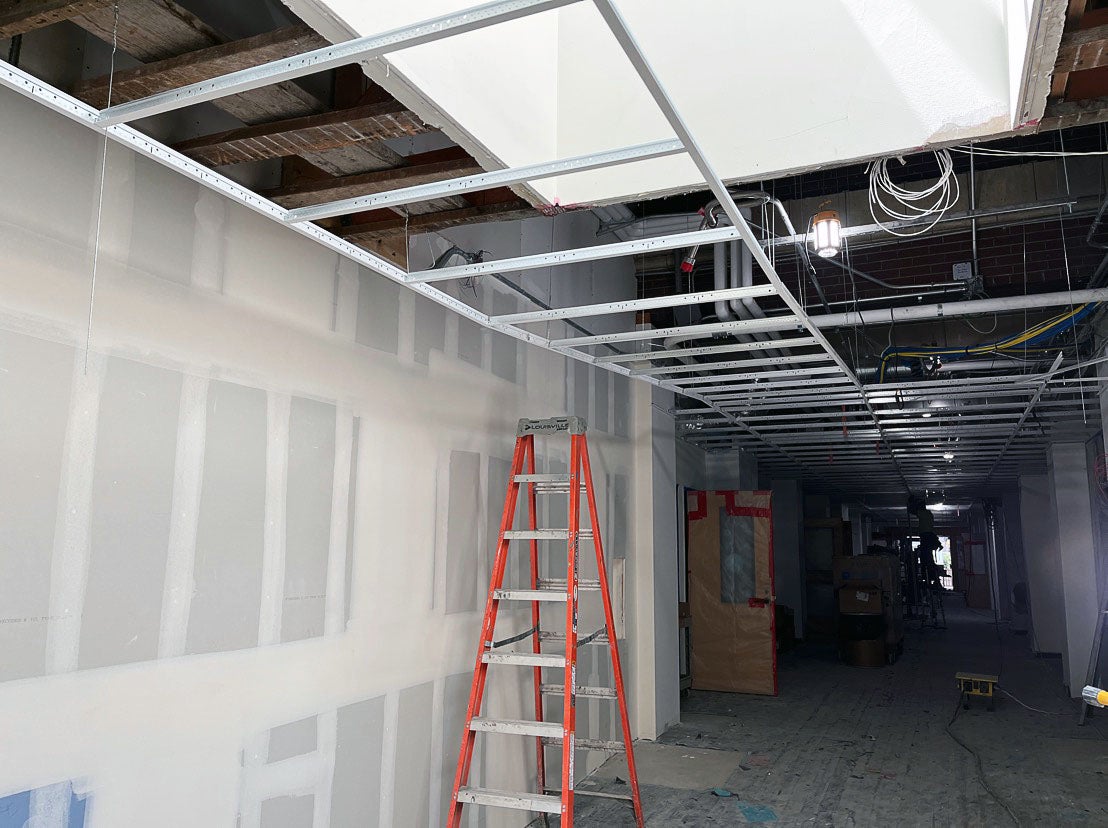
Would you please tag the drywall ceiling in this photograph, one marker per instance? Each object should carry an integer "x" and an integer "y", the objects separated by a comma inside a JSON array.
[{"x": 767, "y": 87}]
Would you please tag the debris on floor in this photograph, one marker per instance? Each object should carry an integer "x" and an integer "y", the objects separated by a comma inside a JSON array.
[{"x": 757, "y": 813}]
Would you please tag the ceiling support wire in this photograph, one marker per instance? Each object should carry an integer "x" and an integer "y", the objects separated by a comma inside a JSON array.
[
  {"x": 100, "y": 193},
  {"x": 1069, "y": 289}
]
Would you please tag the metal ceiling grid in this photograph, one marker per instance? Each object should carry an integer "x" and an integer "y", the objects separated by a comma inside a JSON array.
[{"x": 818, "y": 419}]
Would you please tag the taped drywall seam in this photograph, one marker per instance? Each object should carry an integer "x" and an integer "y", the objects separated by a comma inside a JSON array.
[
  {"x": 70, "y": 559},
  {"x": 209, "y": 242},
  {"x": 388, "y": 756},
  {"x": 188, "y": 477},
  {"x": 117, "y": 207},
  {"x": 278, "y": 409},
  {"x": 435, "y": 791},
  {"x": 327, "y": 730},
  {"x": 344, "y": 320},
  {"x": 295, "y": 776},
  {"x": 334, "y": 609},
  {"x": 439, "y": 529},
  {"x": 405, "y": 337},
  {"x": 49, "y": 807},
  {"x": 254, "y": 755}
]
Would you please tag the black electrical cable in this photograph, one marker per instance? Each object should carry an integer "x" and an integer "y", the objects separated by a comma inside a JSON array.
[
  {"x": 980, "y": 769},
  {"x": 14, "y": 48}
]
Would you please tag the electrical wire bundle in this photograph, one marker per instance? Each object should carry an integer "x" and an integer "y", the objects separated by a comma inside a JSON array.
[
  {"x": 904, "y": 204},
  {"x": 1033, "y": 337}
]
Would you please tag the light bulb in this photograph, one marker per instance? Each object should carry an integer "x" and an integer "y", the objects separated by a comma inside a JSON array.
[{"x": 828, "y": 233}]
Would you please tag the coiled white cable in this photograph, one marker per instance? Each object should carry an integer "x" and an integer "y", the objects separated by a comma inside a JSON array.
[{"x": 903, "y": 204}]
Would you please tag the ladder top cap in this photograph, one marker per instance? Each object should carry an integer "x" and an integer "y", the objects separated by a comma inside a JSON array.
[{"x": 574, "y": 425}]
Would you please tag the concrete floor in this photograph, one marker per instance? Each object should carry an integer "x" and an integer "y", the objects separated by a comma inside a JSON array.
[{"x": 845, "y": 746}]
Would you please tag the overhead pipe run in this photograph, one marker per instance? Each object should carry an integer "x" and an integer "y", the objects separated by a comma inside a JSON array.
[
  {"x": 969, "y": 307},
  {"x": 711, "y": 219}
]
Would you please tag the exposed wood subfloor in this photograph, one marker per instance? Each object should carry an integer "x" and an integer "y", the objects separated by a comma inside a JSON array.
[{"x": 844, "y": 746}]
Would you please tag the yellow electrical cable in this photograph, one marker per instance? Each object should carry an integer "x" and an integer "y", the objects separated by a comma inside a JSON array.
[{"x": 1003, "y": 345}]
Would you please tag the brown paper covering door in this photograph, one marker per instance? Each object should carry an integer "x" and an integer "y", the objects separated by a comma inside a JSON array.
[{"x": 731, "y": 599}]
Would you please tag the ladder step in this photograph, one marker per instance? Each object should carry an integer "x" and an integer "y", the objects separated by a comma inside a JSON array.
[
  {"x": 530, "y": 594},
  {"x": 581, "y": 692},
  {"x": 540, "y": 803},
  {"x": 517, "y": 727},
  {"x": 560, "y": 583},
  {"x": 542, "y": 478},
  {"x": 559, "y": 636},
  {"x": 599, "y": 794},
  {"x": 525, "y": 659},
  {"x": 544, "y": 534},
  {"x": 586, "y": 744}
]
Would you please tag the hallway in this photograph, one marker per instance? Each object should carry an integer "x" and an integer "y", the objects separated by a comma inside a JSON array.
[{"x": 843, "y": 746}]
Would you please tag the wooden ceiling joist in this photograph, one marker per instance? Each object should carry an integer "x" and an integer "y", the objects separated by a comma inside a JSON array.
[
  {"x": 21, "y": 16},
  {"x": 283, "y": 120},
  {"x": 312, "y": 134},
  {"x": 201, "y": 65},
  {"x": 150, "y": 30},
  {"x": 1066, "y": 114},
  {"x": 1083, "y": 49},
  {"x": 158, "y": 30},
  {"x": 442, "y": 220},
  {"x": 352, "y": 186}
]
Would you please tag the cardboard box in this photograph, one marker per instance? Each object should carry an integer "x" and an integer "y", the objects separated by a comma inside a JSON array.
[
  {"x": 861, "y": 600},
  {"x": 882, "y": 571}
]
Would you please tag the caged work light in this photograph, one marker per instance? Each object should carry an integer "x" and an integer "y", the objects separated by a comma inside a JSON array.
[{"x": 828, "y": 233}]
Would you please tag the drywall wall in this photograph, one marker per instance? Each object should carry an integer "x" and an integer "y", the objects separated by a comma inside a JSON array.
[
  {"x": 1069, "y": 478},
  {"x": 838, "y": 81},
  {"x": 731, "y": 470},
  {"x": 1044, "y": 569},
  {"x": 233, "y": 591},
  {"x": 788, "y": 557},
  {"x": 654, "y": 679},
  {"x": 691, "y": 465}
]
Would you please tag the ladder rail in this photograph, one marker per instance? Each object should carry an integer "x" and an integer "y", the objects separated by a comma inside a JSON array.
[
  {"x": 569, "y": 705},
  {"x": 609, "y": 620},
  {"x": 480, "y": 670},
  {"x": 532, "y": 517}
]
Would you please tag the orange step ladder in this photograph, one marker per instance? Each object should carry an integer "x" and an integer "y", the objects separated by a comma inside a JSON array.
[{"x": 546, "y": 800}]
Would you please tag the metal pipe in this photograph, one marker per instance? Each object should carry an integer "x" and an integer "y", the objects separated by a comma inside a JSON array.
[
  {"x": 870, "y": 300},
  {"x": 867, "y": 229},
  {"x": 965, "y": 308},
  {"x": 724, "y": 311},
  {"x": 973, "y": 208},
  {"x": 1095, "y": 225},
  {"x": 742, "y": 275},
  {"x": 900, "y": 288}
]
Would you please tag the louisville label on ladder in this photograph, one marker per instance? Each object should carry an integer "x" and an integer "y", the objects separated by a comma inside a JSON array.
[{"x": 545, "y": 799}]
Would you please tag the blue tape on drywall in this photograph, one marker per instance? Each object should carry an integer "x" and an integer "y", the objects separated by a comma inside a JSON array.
[{"x": 15, "y": 810}]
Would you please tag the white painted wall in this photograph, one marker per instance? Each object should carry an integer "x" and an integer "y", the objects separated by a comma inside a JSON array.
[
  {"x": 1069, "y": 477},
  {"x": 766, "y": 88},
  {"x": 196, "y": 654},
  {"x": 1044, "y": 569},
  {"x": 653, "y": 569}
]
